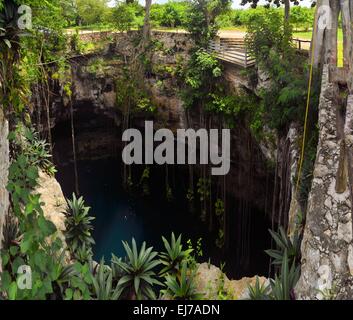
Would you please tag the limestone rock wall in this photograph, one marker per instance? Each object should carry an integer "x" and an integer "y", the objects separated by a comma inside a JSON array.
[{"x": 54, "y": 203}]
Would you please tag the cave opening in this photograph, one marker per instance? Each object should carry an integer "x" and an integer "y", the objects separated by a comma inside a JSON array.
[{"x": 148, "y": 210}]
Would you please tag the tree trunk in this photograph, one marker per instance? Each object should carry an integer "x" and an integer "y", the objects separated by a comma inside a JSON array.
[
  {"x": 146, "y": 25},
  {"x": 346, "y": 9},
  {"x": 286, "y": 11},
  {"x": 325, "y": 33},
  {"x": 4, "y": 169}
]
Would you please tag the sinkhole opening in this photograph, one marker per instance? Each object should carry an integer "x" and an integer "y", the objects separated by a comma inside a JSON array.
[{"x": 153, "y": 207}]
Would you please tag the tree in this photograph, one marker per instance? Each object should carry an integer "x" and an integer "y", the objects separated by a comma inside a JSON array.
[
  {"x": 92, "y": 11},
  {"x": 302, "y": 17},
  {"x": 126, "y": 16},
  {"x": 278, "y": 3},
  {"x": 147, "y": 23},
  {"x": 201, "y": 22}
]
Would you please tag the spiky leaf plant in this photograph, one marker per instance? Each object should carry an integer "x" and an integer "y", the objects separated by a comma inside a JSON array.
[
  {"x": 103, "y": 284},
  {"x": 282, "y": 286},
  {"x": 259, "y": 291},
  {"x": 78, "y": 224},
  {"x": 174, "y": 255},
  {"x": 284, "y": 243},
  {"x": 183, "y": 288},
  {"x": 11, "y": 232},
  {"x": 83, "y": 254},
  {"x": 138, "y": 276}
]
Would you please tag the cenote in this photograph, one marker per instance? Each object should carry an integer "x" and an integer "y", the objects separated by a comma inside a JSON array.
[{"x": 147, "y": 210}]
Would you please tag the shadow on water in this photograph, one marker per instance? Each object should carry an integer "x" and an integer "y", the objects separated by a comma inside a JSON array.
[{"x": 120, "y": 215}]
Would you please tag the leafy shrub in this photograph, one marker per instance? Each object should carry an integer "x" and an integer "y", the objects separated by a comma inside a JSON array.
[
  {"x": 33, "y": 148},
  {"x": 282, "y": 286},
  {"x": 138, "y": 278},
  {"x": 103, "y": 284},
  {"x": 11, "y": 232},
  {"x": 174, "y": 255},
  {"x": 78, "y": 224},
  {"x": 183, "y": 287},
  {"x": 259, "y": 291},
  {"x": 287, "y": 248}
]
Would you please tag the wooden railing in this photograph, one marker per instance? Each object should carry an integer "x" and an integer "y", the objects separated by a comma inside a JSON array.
[
  {"x": 302, "y": 44},
  {"x": 232, "y": 50}
]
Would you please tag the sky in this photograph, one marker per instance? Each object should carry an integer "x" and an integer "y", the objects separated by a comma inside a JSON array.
[{"x": 236, "y": 3}]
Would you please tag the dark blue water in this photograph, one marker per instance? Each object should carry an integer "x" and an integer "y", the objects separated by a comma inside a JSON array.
[{"x": 121, "y": 215}]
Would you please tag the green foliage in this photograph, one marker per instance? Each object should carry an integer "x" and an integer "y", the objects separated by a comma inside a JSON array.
[
  {"x": 302, "y": 18},
  {"x": 83, "y": 254},
  {"x": 283, "y": 285},
  {"x": 38, "y": 247},
  {"x": 11, "y": 232},
  {"x": 78, "y": 224},
  {"x": 103, "y": 284},
  {"x": 287, "y": 248},
  {"x": 308, "y": 164},
  {"x": 183, "y": 287},
  {"x": 174, "y": 255},
  {"x": 288, "y": 254},
  {"x": 219, "y": 211},
  {"x": 127, "y": 16},
  {"x": 131, "y": 97},
  {"x": 171, "y": 14},
  {"x": 203, "y": 188},
  {"x": 270, "y": 42},
  {"x": 201, "y": 19},
  {"x": 144, "y": 181},
  {"x": 80, "y": 283},
  {"x": 259, "y": 291},
  {"x": 138, "y": 278},
  {"x": 92, "y": 11},
  {"x": 33, "y": 148}
]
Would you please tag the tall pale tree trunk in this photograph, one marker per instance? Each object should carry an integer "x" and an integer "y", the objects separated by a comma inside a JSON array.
[
  {"x": 347, "y": 27},
  {"x": 4, "y": 168},
  {"x": 325, "y": 33},
  {"x": 327, "y": 246}
]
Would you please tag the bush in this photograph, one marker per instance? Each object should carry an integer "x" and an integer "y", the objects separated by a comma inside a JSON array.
[{"x": 78, "y": 225}]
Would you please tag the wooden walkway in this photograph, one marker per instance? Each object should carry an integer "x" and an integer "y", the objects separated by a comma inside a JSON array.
[{"x": 232, "y": 50}]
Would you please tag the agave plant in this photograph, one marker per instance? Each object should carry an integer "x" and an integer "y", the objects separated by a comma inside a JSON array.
[
  {"x": 282, "y": 286},
  {"x": 115, "y": 266},
  {"x": 259, "y": 291},
  {"x": 138, "y": 278},
  {"x": 83, "y": 254},
  {"x": 174, "y": 255},
  {"x": 284, "y": 243},
  {"x": 9, "y": 30},
  {"x": 37, "y": 151},
  {"x": 78, "y": 224},
  {"x": 103, "y": 284},
  {"x": 183, "y": 288},
  {"x": 11, "y": 232}
]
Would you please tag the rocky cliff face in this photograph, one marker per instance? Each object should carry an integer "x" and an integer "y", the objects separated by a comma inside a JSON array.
[
  {"x": 4, "y": 166},
  {"x": 98, "y": 122}
]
